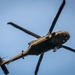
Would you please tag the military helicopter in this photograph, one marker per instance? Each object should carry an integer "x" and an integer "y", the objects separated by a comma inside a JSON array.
[{"x": 51, "y": 41}]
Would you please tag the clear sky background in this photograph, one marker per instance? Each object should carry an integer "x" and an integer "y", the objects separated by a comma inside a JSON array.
[{"x": 36, "y": 16}]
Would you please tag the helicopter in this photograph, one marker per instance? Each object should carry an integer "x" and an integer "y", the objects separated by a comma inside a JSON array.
[{"x": 51, "y": 41}]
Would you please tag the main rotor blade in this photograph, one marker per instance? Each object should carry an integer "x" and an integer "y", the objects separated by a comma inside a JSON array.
[
  {"x": 68, "y": 48},
  {"x": 38, "y": 64},
  {"x": 56, "y": 18},
  {"x": 23, "y": 29}
]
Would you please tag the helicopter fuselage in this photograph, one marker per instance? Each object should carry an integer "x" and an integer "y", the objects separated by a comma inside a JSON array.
[{"x": 48, "y": 42}]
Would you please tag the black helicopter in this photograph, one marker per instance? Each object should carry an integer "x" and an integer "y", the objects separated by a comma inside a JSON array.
[{"x": 51, "y": 41}]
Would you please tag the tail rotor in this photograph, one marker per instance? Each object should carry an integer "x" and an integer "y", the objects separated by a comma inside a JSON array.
[{"x": 3, "y": 67}]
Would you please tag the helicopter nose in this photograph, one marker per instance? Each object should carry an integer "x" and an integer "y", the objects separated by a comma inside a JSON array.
[
  {"x": 62, "y": 37},
  {"x": 66, "y": 36}
]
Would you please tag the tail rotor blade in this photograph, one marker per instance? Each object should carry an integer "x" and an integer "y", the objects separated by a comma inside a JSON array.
[
  {"x": 3, "y": 67},
  {"x": 23, "y": 29},
  {"x": 38, "y": 64}
]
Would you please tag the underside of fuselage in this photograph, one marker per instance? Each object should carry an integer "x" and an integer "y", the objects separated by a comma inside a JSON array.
[{"x": 40, "y": 48}]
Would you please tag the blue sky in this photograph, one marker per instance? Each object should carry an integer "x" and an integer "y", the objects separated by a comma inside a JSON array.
[{"x": 37, "y": 16}]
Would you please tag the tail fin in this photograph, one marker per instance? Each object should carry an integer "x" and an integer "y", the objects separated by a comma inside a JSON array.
[{"x": 3, "y": 67}]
